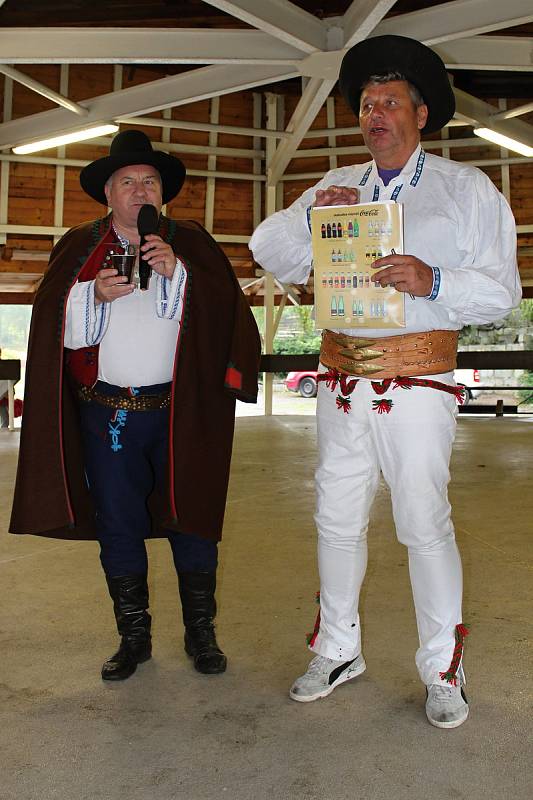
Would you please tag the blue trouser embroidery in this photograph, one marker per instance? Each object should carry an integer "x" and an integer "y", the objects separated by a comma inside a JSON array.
[{"x": 117, "y": 421}]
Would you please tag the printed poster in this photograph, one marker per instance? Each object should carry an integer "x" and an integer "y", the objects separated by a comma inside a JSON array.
[{"x": 346, "y": 240}]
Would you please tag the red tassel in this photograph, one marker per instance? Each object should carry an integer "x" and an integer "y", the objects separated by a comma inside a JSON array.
[
  {"x": 407, "y": 383},
  {"x": 382, "y": 406},
  {"x": 461, "y": 631},
  {"x": 402, "y": 383},
  {"x": 312, "y": 636},
  {"x": 460, "y": 395},
  {"x": 331, "y": 377},
  {"x": 344, "y": 402}
]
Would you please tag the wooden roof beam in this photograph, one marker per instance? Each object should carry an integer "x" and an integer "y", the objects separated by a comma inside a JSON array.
[
  {"x": 362, "y": 17},
  {"x": 280, "y": 19},
  {"x": 134, "y": 46},
  {"x": 457, "y": 19},
  {"x": 488, "y": 52},
  {"x": 45, "y": 91},
  {"x": 188, "y": 87},
  {"x": 312, "y": 100}
]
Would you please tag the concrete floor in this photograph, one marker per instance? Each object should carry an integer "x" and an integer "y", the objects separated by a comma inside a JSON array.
[{"x": 171, "y": 733}]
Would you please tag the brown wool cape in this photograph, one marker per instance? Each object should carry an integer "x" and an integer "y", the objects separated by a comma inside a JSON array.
[{"x": 217, "y": 362}]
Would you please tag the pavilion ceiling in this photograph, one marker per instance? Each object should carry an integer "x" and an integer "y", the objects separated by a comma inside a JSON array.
[{"x": 202, "y": 49}]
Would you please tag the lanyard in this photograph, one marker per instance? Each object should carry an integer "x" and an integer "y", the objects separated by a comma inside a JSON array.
[
  {"x": 394, "y": 195},
  {"x": 413, "y": 182}
]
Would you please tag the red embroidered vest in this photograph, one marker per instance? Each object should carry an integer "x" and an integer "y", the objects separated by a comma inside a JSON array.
[{"x": 82, "y": 364}]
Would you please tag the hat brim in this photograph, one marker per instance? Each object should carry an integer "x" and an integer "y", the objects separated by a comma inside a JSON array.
[
  {"x": 94, "y": 176},
  {"x": 421, "y": 66}
]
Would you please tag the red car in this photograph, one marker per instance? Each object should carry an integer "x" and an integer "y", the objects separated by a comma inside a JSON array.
[
  {"x": 303, "y": 382},
  {"x": 306, "y": 383}
]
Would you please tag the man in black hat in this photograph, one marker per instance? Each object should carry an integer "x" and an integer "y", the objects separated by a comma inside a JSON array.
[
  {"x": 130, "y": 393},
  {"x": 459, "y": 268}
]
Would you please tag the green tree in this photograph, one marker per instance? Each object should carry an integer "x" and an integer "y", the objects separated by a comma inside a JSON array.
[
  {"x": 305, "y": 315},
  {"x": 14, "y": 326}
]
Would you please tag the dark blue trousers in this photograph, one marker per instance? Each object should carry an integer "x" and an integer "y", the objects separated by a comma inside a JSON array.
[{"x": 126, "y": 455}]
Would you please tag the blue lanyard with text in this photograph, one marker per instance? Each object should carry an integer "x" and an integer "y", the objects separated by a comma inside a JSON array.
[{"x": 397, "y": 189}]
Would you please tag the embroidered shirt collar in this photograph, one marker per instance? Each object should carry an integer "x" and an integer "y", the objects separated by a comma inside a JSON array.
[
  {"x": 407, "y": 172},
  {"x": 122, "y": 239}
]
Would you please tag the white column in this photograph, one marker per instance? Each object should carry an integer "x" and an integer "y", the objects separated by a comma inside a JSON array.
[
  {"x": 506, "y": 178},
  {"x": 4, "y": 171},
  {"x": 269, "y": 284},
  {"x": 60, "y": 171},
  {"x": 332, "y": 140},
  {"x": 211, "y": 166}
]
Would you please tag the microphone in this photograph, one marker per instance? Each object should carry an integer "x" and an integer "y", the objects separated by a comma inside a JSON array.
[{"x": 147, "y": 222}]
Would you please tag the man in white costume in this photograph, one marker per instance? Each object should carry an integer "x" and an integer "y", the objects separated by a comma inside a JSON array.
[{"x": 459, "y": 268}]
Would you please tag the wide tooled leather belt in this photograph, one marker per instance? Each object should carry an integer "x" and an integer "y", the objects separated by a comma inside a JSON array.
[{"x": 405, "y": 355}]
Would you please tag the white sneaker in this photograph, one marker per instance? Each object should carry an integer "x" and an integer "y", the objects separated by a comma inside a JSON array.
[
  {"x": 323, "y": 675},
  {"x": 446, "y": 706}
]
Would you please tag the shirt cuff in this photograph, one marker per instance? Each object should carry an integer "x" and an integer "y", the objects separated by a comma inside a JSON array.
[
  {"x": 170, "y": 292},
  {"x": 436, "y": 284}
]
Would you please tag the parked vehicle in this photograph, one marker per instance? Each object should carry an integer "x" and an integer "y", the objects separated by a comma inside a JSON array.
[
  {"x": 303, "y": 382},
  {"x": 306, "y": 384}
]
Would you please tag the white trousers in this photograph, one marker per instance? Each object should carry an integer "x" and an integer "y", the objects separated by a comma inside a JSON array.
[{"x": 411, "y": 446}]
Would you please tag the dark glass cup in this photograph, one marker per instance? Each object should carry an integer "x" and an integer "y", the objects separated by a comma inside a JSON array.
[
  {"x": 122, "y": 259},
  {"x": 124, "y": 263}
]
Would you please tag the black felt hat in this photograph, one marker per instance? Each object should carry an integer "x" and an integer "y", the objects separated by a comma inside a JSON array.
[
  {"x": 421, "y": 66},
  {"x": 128, "y": 148}
]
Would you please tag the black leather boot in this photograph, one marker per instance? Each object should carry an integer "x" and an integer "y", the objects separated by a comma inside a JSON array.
[
  {"x": 197, "y": 592},
  {"x": 130, "y": 603}
]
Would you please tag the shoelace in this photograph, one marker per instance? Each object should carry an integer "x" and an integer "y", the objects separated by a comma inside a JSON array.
[
  {"x": 442, "y": 694},
  {"x": 319, "y": 664}
]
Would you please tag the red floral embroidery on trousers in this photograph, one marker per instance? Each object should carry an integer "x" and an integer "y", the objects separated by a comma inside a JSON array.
[
  {"x": 312, "y": 636},
  {"x": 347, "y": 385},
  {"x": 461, "y": 631}
]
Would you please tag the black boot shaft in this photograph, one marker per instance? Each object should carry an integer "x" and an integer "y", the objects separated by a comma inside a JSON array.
[
  {"x": 197, "y": 592},
  {"x": 130, "y": 603}
]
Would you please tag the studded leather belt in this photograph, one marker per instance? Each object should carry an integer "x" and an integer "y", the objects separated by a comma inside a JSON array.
[
  {"x": 139, "y": 402},
  {"x": 405, "y": 355}
]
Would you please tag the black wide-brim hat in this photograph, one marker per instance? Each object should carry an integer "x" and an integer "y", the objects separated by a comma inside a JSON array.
[
  {"x": 421, "y": 66},
  {"x": 129, "y": 148}
]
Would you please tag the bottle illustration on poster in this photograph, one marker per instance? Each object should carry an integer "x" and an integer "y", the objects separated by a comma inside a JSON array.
[{"x": 347, "y": 291}]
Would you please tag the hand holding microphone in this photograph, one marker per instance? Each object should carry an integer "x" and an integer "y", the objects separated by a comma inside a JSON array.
[{"x": 154, "y": 253}]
